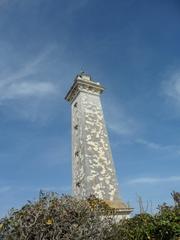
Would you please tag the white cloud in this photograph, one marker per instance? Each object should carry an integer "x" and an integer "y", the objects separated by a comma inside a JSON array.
[
  {"x": 158, "y": 147},
  {"x": 27, "y": 69},
  {"x": 118, "y": 121},
  {"x": 171, "y": 86},
  {"x": 17, "y": 83},
  {"x": 152, "y": 180},
  {"x": 27, "y": 89},
  {"x": 120, "y": 125},
  {"x": 4, "y": 189},
  {"x": 152, "y": 145}
]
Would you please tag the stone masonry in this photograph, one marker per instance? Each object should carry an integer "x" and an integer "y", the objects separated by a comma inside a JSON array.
[{"x": 92, "y": 164}]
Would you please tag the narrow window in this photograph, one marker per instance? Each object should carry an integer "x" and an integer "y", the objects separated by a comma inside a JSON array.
[
  {"x": 76, "y": 126},
  {"x": 77, "y": 153},
  {"x": 78, "y": 184}
]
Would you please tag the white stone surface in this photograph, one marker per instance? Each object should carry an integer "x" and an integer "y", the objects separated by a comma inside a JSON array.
[{"x": 93, "y": 168}]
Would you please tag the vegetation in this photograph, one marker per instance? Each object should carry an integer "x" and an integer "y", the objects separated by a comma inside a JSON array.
[
  {"x": 53, "y": 217},
  {"x": 165, "y": 225}
]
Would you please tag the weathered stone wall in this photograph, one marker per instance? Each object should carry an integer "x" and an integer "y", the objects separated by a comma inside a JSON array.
[{"x": 93, "y": 169}]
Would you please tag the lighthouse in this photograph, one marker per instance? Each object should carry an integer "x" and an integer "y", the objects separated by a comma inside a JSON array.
[{"x": 93, "y": 170}]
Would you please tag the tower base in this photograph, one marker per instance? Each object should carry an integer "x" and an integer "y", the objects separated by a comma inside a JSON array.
[{"x": 118, "y": 210}]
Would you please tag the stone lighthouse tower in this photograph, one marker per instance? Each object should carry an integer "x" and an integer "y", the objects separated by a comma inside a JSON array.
[{"x": 92, "y": 164}]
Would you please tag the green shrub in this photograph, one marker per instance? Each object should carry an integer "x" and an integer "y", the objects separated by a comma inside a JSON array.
[
  {"x": 140, "y": 227},
  {"x": 53, "y": 217},
  {"x": 167, "y": 220},
  {"x": 165, "y": 225}
]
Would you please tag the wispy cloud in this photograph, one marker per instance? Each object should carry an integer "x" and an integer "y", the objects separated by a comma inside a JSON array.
[
  {"x": 154, "y": 180},
  {"x": 27, "y": 89},
  {"x": 158, "y": 146},
  {"x": 148, "y": 144},
  {"x": 24, "y": 88},
  {"x": 27, "y": 69},
  {"x": 4, "y": 189},
  {"x": 171, "y": 86},
  {"x": 118, "y": 120}
]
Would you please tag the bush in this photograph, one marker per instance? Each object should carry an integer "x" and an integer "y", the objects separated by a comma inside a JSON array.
[
  {"x": 53, "y": 217},
  {"x": 165, "y": 225},
  {"x": 140, "y": 227},
  {"x": 167, "y": 220}
]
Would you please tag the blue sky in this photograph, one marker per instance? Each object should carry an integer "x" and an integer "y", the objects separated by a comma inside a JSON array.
[{"x": 132, "y": 48}]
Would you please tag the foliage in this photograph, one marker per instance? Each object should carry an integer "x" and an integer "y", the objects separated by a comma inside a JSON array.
[
  {"x": 165, "y": 225},
  {"x": 53, "y": 217},
  {"x": 98, "y": 204}
]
